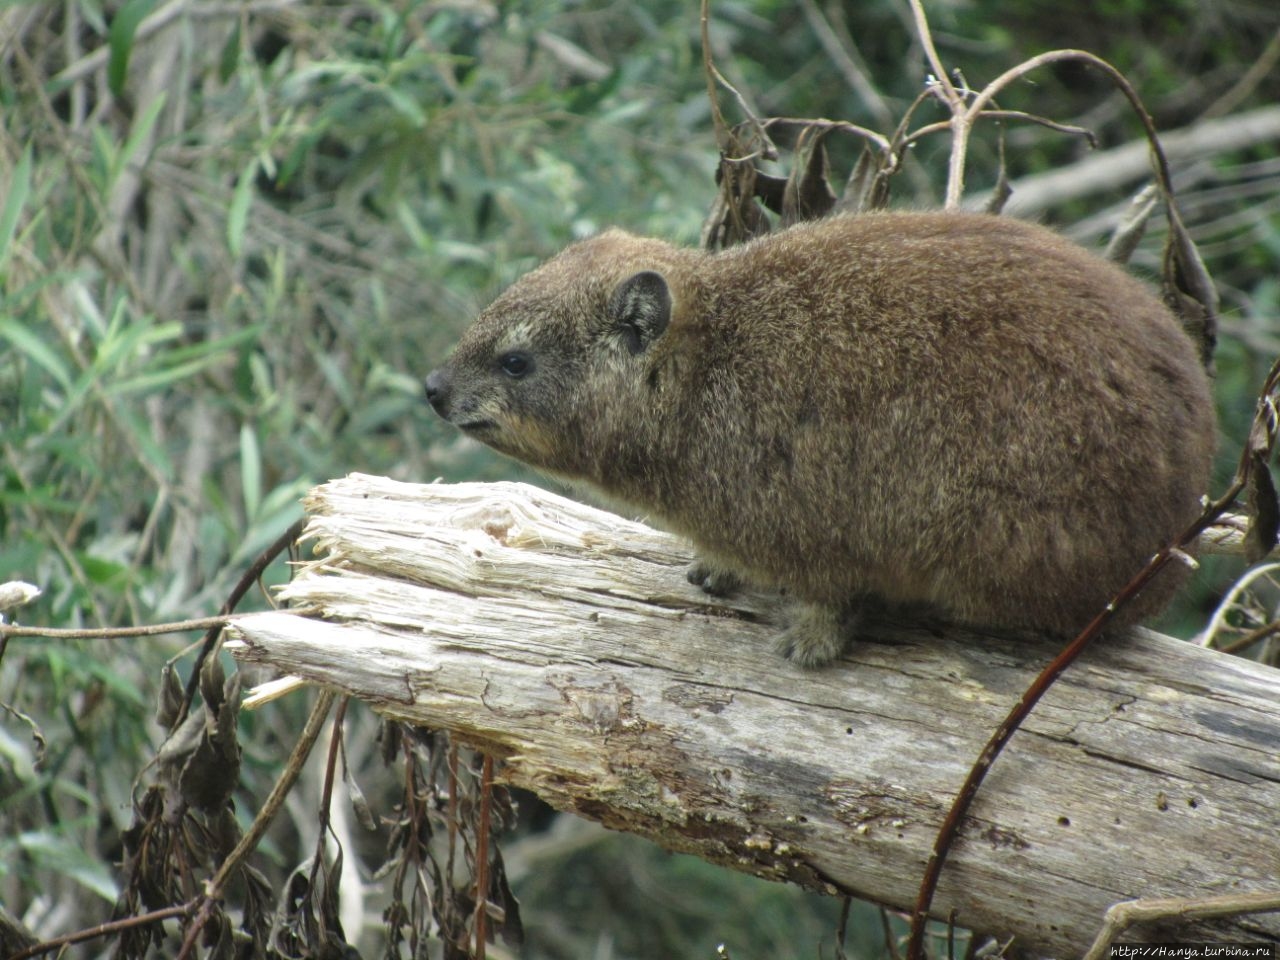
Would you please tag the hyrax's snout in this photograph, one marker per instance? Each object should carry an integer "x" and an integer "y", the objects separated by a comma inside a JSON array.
[{"x": 438, "y": 388}]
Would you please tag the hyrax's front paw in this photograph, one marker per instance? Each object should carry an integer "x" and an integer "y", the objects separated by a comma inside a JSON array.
[
  {"x": 712, "y": 579},
  {"x": 817, "y": 635}
]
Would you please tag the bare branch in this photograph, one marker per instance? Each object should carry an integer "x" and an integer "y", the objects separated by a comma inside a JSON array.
[
  {"x": 1117, "y": 168},
  {"x": 112, "y": 633},
  {"x": 841, "y": 52},
  {"x": 566, "y": 643},
  {"x": 947, "y": 126},
  {"x": 940, "y": 73},
  {"x": 1248, "y": 81},
  {"x": 1124, "y": 915},
  {"x": 842, "y": 126}
]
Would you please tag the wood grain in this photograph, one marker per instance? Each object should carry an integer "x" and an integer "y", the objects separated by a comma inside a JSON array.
[{"x": 566, "y": 641}]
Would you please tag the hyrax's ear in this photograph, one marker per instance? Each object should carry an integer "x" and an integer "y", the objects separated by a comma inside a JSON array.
[{"x": 640, "y": 309}]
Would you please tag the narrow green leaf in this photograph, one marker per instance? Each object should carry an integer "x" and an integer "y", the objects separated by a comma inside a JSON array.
[
  {"x": 154, "y": 380},
  {"x": 134, "y": 423},
  {"x": 103, "y": 165},
  {"x": 62, "y": 855},
  {"x": 35, "y": 349},
  {"x": 210, "y": 348},
  {"x": 301, "y": 150},
  {"x": 14, "y": 201},
  {"x": 142, "y": 126},
  {"x": 123, "y": 28},
  {"x": 127, "y": 341},
  {"x": 230, "y": 57},
  {"x": 419, "y": 236},
  {"x": 406, "y": 106},
  {"x": 250, "y": 470},
  {"x": 238, "y": 215},
  {"x": 279, "y": 508},
  {"x": 336, "y": 379}
]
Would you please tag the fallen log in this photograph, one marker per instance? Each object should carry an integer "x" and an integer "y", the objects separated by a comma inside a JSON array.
[{"x": 566, "y": 642}]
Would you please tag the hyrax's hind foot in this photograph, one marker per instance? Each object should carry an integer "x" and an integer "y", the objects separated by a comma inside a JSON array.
[
  {"x": 817, "y": 635},
  {"x": 712, "y": 579}
]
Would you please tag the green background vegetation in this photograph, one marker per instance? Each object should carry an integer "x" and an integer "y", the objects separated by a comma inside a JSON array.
[{"x": 234, "y": 237}]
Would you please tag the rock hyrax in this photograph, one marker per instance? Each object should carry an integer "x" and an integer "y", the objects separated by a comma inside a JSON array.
[{"x": 961, "y": 412}]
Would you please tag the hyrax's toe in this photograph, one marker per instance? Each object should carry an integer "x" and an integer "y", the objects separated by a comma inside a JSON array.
[
  {"x": 712, "y": 579},
  {"x": 817, "y": 635}
]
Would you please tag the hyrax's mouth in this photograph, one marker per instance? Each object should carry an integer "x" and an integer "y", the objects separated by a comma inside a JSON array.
[{"x": 479, "y": 425}]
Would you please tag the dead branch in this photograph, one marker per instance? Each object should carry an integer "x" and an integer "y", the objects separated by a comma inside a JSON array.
[
  {"x": 1113, "y": 170},
  {"x": 566, "y": 643}
]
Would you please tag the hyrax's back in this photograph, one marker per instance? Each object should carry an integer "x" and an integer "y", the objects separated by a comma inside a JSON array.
[{"x": 964, "y": 410}]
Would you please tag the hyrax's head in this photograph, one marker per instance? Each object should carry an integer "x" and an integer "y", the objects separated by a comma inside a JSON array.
[{"x": 558, "y": 357}]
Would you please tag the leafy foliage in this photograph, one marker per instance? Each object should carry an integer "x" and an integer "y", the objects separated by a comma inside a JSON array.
[{"x": 233, "y": 238}]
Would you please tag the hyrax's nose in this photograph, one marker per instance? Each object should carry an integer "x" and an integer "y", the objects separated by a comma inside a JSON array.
[{"x": 437, "y": 388}]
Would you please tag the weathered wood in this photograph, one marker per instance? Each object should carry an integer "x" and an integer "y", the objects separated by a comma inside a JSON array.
[{"x": 566, "y": 641}]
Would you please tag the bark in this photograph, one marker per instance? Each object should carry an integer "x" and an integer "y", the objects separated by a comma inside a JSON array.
[{"x": 566, "y": 642}]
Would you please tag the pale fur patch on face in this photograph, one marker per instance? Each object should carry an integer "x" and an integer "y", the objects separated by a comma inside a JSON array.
[{"x": 519, "y": 336}]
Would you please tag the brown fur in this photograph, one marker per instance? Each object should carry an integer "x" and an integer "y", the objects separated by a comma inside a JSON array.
[{"x": 958, "y": 410}]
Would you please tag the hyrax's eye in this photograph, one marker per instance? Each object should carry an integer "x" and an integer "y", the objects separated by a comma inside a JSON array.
[{"x": 516, "y": 364}]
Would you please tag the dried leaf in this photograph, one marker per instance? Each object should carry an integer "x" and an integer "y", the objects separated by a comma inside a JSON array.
[
  {"x": 511, "y": 928},
  {"x": 256, "y": 921},
  {"x": 325, "y": 901},
  {"x": 389, "y": 739},
  {"x": 307, "y": 923},
  {"x": 14, "y": 935},
  {"x": 735, "y": 217},
  {"x": 808, "y": 194},
  {"x": 1128, "y": 233},
  {"x": 868, "y": 185},
  {"x": 169, "y": 701},
  {"x": 224, "y": 833},
  {"x": 771, "y": 190},
  {"x": 1262, "y": 434},
  {"x": 1188, "y": 288},
  {"x": 211, "y": 773},
  {"x": 217, "y": 936},
  {"x": 286, "y": 932},
  {"x": 1264, "y": 511},
  {"x": 358, "y": 802},
  {"x": 212, "y": 678}
]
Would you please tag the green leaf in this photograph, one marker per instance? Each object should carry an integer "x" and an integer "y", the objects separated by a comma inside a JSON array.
[
  {"x": 301, "y": 150},
  {"x": 332, "y": 372},
  {"x": 211, "y": 348},
  {"x": 238, "y": 215},
  {"x": 279, "y": 508},
  {"x": 406, "y": 106},
  {"x": 230, "y": 57},
  {"x": 64, "y": 855},
  {"x": 102, "y": 571},
  {"x": 155, "y": 379},
  {"x": 142, "y": 126},
  {"x": 133, "y": 422},
  {"x": 128, "y": 340},
  {"x": 103, "y": 165},
  {"x": 123, "y": 346},
  {"x": 250, "y": 470},
  {"x": 123, "y": 27},
  {"x": 35, "y": 349},
  {"x": 14, "y": 201}
]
